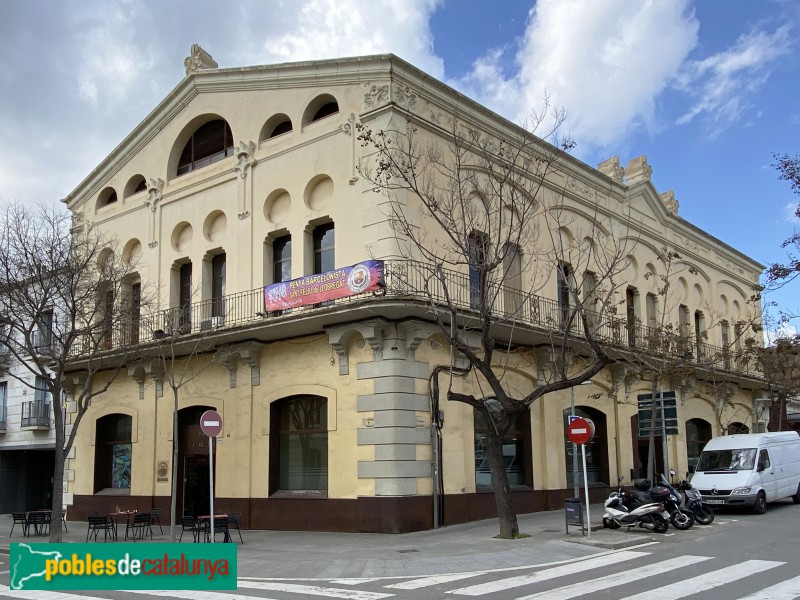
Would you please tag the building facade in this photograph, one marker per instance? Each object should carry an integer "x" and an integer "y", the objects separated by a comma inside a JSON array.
[{"x": 242, "y": 178}]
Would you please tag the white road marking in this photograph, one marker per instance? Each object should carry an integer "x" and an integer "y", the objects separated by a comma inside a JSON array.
[
  {"x": 193, "y": 595},
  {"x": 616, "y": 579},
  {"x": 569, "y": 569},
  {"x": 416, "y": 584},
  {"x": 702, "y": 583},
  {"x": 313, "y": 590},
  {"x": 37, "y": 594},
  {"x": 786, "y": 590}
]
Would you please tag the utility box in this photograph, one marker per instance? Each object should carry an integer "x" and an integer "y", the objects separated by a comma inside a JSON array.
[{"x": 573, "y": 513}]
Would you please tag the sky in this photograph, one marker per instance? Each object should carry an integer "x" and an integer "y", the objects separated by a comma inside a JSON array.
[{"x": 708, "y": 90}]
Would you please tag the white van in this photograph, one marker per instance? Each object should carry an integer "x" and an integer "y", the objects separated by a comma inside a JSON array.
[{"x": 749, "y": 470}]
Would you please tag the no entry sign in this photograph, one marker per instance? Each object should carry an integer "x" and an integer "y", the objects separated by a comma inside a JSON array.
[
  {"x": 580, "y": 430},
  {"x": 211, "y": 423}
]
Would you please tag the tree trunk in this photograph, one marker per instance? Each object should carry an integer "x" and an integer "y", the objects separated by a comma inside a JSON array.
[
  {"x": 651, "y": 446},
  {"x": 58, "y": 475},
  {"x": 509, "y": 529},
  {"x": 175, "y": 447}
]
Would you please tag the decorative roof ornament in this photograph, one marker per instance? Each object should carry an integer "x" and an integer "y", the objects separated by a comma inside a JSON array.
[
  {"x": 612, "y": 168},
  {"x": 638, "y": 170},
  {"x": 670, "y": 202},
  {"x": 198, "y": 60}
]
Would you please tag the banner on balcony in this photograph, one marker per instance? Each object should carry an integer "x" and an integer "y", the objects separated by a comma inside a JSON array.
[{"x": 366, "y": 276}]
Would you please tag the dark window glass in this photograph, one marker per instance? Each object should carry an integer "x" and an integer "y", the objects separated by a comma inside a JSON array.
[
  {"x": 477, "y": 257},
  {"x": 112, "y": 459},
  {"x": 218, "y": 285},
  {"x": 324, "y": 248},
  {"x": 185, "y": 295},
  {"x": 108, "y": 320},
  {"x": 210, "y": 143},
  {"x": 514, "y": 451},
  {"x": 136, "y": 311},
  {"x": 302, "y": 453},
  {"x": 281, "y": 128},
  {"x": 282, "y": 259},
  {"x": 140, "y": 187},
  {"x": 563, "y": 274},
  {"x": 326, "y": 110}
]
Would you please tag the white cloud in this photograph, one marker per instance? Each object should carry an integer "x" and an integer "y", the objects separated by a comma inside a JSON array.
[
  {"x": 724, "y": 82},
  {"x": 790, "y": 213},
  {"x": 319, "y": 29},
  {"x": 605, "y": 61}
]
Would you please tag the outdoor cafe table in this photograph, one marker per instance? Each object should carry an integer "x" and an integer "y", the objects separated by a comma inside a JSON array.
[
  {"x": 118, "y": 515},
  {"x": 203, "y": 518}
]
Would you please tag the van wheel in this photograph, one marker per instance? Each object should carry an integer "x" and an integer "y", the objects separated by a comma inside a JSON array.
[
  {"x": 760, "y": 507},
  {"x": 796, "y": 497}
]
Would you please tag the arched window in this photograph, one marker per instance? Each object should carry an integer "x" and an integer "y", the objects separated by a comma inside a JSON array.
[
  {"x": 112, "y": 452},
  {"x": 516, "y": 451},
  {"x": 326, "y": 110},
  {"x": 106, "y": 197},
  {"x": 322, "y": 106},
  {"x": 698, "y": 432},
  {"x": 210, "y": 143},
  {"x": 299, "y": 444},
  {"x": 737, "y": 427}
]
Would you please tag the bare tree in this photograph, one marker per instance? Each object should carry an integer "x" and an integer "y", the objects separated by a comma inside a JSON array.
[
  {"x": 63, "y": 302},
  {"x": 481, "y": 220},
  {"x": 182, "y": 356}
]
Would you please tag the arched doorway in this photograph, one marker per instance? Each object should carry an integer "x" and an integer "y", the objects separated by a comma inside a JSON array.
[
  {"x": 596, "y": 450},
  {"x": 698, "y": 432},
  {"x": 193, "y": 476}
]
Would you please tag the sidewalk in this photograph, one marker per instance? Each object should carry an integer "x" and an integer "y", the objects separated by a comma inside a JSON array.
[{"x": 454, "y": 549}]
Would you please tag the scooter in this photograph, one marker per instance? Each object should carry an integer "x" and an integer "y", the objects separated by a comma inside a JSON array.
[
  {"x": 702, "y": 512},
  {"x": 624, "y": 510},
  {"x": 681, "y": 518}
]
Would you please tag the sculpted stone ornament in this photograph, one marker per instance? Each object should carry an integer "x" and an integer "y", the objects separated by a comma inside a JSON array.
[
  {"x": 244, "y": 157},
  {"x": 670, "y": 202},
  {"x": 375, "y": 95},
  {"x": 638, "y": 170},
  {"x": 405, "y": 96},
  {"x": 612, "y": 168},
  {"x": 154, "y": 187},
  {"x": 198, "y": 59}
]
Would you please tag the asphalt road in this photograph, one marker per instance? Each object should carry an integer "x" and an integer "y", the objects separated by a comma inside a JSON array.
[{"x": 739, "y": 557}]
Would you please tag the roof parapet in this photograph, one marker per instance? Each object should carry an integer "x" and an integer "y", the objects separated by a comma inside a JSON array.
[{"x": 198, "y": 59}]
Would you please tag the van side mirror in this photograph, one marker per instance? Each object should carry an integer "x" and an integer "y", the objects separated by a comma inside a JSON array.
[{"x": 761, "y": 466}]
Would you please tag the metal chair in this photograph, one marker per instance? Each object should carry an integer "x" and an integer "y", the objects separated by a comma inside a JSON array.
[
  {"x": 139, "y": 526},
  {"x": 233, "y": 523},
  {"x": 98, "y": 523},
  {"x": 40, "y": 522},
  {"x": 189, "y": 524},
  {"x": 220, "y": 526},
  {"x": 20, "y": 518},
  {"x": 155, "y": 517}
]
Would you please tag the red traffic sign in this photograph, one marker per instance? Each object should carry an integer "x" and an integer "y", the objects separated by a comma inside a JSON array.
[
  {"x": 580, "y": 430},
  {"x": 211, "y": 423}
]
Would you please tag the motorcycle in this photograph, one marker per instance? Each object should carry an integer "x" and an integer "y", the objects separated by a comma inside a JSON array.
[
  {"x": 622, "y": 509},
  {"x": 667, "y": 495},
  {"x": 703, "y": 513}
]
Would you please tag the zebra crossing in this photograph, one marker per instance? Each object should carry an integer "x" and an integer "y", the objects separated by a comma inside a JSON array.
[{"x": 631, "y": 574}]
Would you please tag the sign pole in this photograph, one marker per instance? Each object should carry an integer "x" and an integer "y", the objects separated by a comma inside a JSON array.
[
  {"x": 211, "y": 481},
  {"x": 586, "y": 493}
]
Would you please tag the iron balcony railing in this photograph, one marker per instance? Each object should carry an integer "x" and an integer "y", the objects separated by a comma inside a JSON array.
[
  {"x": 35, "y": 413},
  {"x": 415, "y": 281}
]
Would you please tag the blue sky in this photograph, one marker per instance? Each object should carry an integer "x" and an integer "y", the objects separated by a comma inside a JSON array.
[{"x": 708, "y": 90}]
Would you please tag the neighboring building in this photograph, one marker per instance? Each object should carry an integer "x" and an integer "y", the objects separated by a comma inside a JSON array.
[
  {"x": 244, "y": 177},
  {"x": 27, "y": 439}
]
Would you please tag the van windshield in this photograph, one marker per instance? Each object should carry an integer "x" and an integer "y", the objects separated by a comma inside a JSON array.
[{"x": 743, "y": 459}]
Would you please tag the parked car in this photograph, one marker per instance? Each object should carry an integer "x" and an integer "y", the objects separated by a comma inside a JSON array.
[{"x": 749, "y": 470}]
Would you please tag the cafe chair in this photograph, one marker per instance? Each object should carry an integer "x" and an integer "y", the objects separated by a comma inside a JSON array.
[
  {"x": 189, "y": 524},
  {"x": 20, "y": 518},
  {"x": 220, "y": 526},
  {"x": 98, "y": 523},
  {"x": 139, "y": 527},
  {"x": 155, "y": 517},
  {"x": 40, "y": 522},
  {"x": 233, "y": 523}
]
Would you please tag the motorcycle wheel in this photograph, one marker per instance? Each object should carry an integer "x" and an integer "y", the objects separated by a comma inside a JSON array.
[
  {"x": 610, "y": 523},
  {"x": 704, "y": 515},
  {"x": 682, "y": 519},
  {"x": 660, "y": 524}
]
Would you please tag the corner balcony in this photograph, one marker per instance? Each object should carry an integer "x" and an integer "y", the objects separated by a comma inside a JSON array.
[
  {"x": 526, "y": 318},
  {"x": 35, "y": 415}
]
